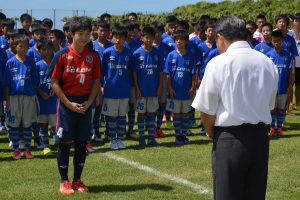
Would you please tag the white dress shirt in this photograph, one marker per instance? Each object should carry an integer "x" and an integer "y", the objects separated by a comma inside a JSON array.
[{"x": 239, "y": 86}]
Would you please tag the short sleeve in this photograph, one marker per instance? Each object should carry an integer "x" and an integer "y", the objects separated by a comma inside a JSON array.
[
  {"x": 58, "y": 67},
  {"x": 208, "y": 95}
]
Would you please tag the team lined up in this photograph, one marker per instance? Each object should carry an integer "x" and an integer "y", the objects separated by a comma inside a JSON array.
[{"x": 148, "y": 72}]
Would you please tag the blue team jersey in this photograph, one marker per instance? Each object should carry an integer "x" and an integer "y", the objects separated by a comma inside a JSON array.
[
  {"x": 282, "y": 61},
  {"x": 148, "y": 66},
  {"x": 3, "y": 60},
  {"x": 289, "y": 45},
  {"x": 181, "y": 68},
  {"x": 9, "y": 54},
  {"x": 46, "y": 106},
  {"x": 31, "y": 42},
  {"x": 21, "y": 77},
  {"x": 163, "y": 36},
  {"x": 264, "y": 47},
  {"x": 139, "y": 42},
  {"x": 196, "y": 40},
  {"x": 205, "y": 51},
  {"x": 213, "y": 53},
  {"x": 100, "y": 49},
  {"x": 116, "y": 66},
  {"x": 3, "y": 43},
  {"x": 253, "y": 43},
  {"x": 169, "y": 41},
  {"x": 34, "y": 54},
  {"x": 164, "y": 50},
  {"x": 132, "y": 45}
]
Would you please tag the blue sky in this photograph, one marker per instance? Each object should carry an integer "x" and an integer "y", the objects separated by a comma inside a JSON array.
[{"x": 44, "y": 8}]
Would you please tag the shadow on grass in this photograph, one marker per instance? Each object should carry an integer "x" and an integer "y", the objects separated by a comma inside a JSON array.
[
  {"x": 276, "y": 137},
  {"x": 128, "y": 188},
  {"x": 293, "y": 126}
]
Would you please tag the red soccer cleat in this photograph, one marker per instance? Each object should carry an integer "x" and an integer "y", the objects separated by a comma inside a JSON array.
[
  {"x": 272, "y": 132},
  {"x": 279, "y": 131},
  {"x": 27, "y": 154},
  {"x": 65, "y": 187},
  {"x": 79, "y": 186},
  {"x": 16, "y": 155}
]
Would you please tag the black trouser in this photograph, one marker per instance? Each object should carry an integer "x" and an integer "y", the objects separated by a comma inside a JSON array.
[{"x": 240, "y": 162}]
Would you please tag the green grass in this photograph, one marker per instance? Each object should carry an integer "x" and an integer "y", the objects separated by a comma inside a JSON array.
[{"x": 110, "y": 179}]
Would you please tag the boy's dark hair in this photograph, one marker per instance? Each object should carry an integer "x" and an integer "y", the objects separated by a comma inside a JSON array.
[
  {"x": 133, "y": 14},
  {"x": 284, "y": 17},
  {"x": 267, "y": 24},
  {"x": 8, "y": 23},
  {"x": 171, "y": 19},
  {"x": 2, "y": 16},
  {"x": 252, "y": 23},
  {"x": 38, "y": 27},
  {"x": 44, "y": 42},
  {"x": 80, "y": 23},
  {"x": 261, "y": 16},
  {"x": 12, "y": 33},
  {"x": 147, "y": 30},
  {"x": 209, "y": 24},
  {"x": 36, "y": 22},
  {"x": 24, "y": 17},
  {"x": 103, "y": 24},
  {"x": 119, "y": 31},
  {"x": 181, "y": 34},
  {"x": 195, "y": 22},
  {"x": 204, "y": 17},
  {"x": 158, "y": 26},
  {"x": 59, "y": 34},
  {"x": 127, "y": 24},
  {"x": 297, "y": 16},
  {"x": 66, "y": 27},
  {"x": 48, "y": 22},
  {"x": 104, "y": 15},
  {"x": 20, "y": 38},
  {"x": 183, "y": 25},
  {"x": 277, "y": 34}
]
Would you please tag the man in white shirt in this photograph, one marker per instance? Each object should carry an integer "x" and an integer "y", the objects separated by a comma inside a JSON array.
[{"x": 235, "y": 98}]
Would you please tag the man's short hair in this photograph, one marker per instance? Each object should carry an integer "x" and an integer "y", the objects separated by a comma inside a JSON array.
[
  {"x": 119, "y": 31},
  {"x": 48, "y": 22},
  {"x": 261, "y": 16},
  {"x": 171, "y": 19},
  {"x": 59, "y": 34},
  {"x": 284, "y": 17},
  {"x": 158, "y": 26},
  {"x": 103, "y": 24},
  {"x": 267, "y": 24},
  {"x": 44, "y": 42},
  {"x": 12, "y": 33},
  {"x": 209, "y": 24},
  {"x": 2, "y": 16},
  {"x": 181, "y": 34},
  {"x": 24, "y": 17},
  {"x": 66, "y": 27},
  {"x": 8, "y": 23},
  {"x": 133, "y": 14},
  {"x": 277, "y": 34},
  {"x": 21, "y": 38},
  {"x": 183, "y": 24},
  {"x": 195, "y": 22},
  {"x": 148, "y": 30},
  {"x": 105, "y": 15},
  {"x": 38, "y": 27},
  {"x": 232, "y": 28},
  {"x": 251, "y": 23},
  {"x": 80, "y": 23}
]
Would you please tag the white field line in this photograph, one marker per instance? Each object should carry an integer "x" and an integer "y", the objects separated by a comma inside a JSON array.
[{"x": 198, "y": 188}]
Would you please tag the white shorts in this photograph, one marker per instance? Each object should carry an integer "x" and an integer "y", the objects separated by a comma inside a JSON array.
[
  {"x": 115, "y": 107},
  {"x": 147, "y": 104},
  {"x": 47, "y": 119},
  {"x": 132, "y": 98},
  {"x": 23, "y": 110},
  {"x": 178, "y": 106},
  {"x": 280, "y": 102}
]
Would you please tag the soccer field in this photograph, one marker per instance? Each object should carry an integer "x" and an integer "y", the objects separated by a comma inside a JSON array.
[{"x": 164, "y": 172}]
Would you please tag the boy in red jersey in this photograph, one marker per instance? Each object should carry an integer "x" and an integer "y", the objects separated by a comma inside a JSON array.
[{"x": 75, "y": 80}]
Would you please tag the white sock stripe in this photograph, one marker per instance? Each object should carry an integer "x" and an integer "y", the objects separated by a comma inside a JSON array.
[{"x": 198, "y": 188}]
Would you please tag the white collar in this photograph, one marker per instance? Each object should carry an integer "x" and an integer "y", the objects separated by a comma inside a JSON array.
[{"x": 238, "y": 44}]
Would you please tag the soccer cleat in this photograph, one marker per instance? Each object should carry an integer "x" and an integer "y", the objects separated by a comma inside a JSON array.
[
  {"x": 272, "y": 132},
  {"x": 179, "y": 140},
  {"x": 65, "y": 187},
  {"x": 47, "y": 151},
  {"x": 16, "y": 155},
  {"x": 27, "y": 154},
  {"x": 186, "y": 140},
  {"x": 97, "y": 138},
  {"x": 89, "y": 148},
  {"x": 152, "y": 142},
  {"x": 142, "y": 143},
  {"x": 38, "y": 145},
  {"x": 114, "y": 144},
  {"x": 79, "y": 186},
  {"x": 120, "y": 144},
  {"x": 279, "y": 131}
]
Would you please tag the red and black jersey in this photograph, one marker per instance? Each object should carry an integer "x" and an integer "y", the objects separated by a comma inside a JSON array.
[{"x": 79, "y": 69}]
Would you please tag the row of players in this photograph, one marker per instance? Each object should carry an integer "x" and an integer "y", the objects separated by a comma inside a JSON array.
[{"x": 133, "y": 71}]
